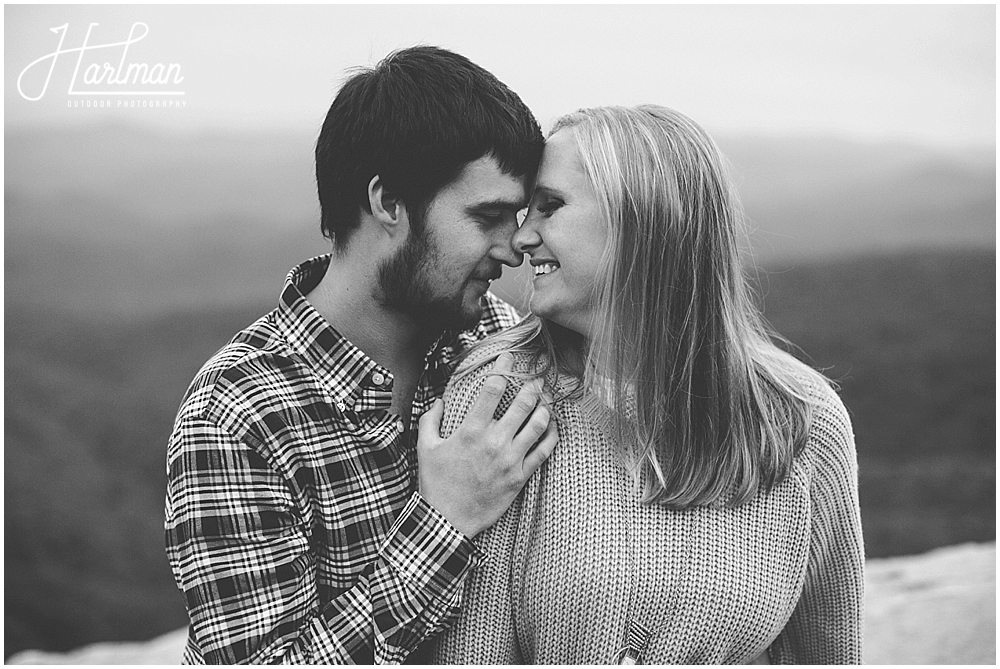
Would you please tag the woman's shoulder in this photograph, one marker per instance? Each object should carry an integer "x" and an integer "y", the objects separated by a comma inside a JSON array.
[
  {"x": 466, "y": 383},
  {"x": 478, "y": 364},
  {"x": 480, "y": 359},
  {"x": 830, "y": 417},
  {"x": 830, "y": 446}
]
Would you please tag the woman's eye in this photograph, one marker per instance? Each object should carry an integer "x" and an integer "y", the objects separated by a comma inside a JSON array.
[{"x": 549, "y": 206}]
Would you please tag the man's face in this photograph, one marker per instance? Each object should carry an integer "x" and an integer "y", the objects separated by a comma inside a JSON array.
[{"x": 440, "y": 276}]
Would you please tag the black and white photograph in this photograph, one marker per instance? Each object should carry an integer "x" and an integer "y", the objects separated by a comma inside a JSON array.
[{"x": 578, "y": 334}]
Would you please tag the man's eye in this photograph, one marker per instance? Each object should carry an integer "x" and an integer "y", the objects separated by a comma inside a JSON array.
[{"x": 492, "y": 219}]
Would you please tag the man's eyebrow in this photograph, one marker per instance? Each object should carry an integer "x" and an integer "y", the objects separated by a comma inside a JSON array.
[{"x": 499, "y": 204}]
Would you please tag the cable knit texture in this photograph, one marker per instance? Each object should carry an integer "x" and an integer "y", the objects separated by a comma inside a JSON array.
[{"x": 579, "y": 572}]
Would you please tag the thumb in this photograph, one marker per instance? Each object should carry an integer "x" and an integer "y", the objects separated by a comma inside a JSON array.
[{"x": 429, "y": 425}]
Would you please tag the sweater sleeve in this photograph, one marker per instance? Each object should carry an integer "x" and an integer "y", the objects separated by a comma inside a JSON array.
[{"x": 827, "y": 625}]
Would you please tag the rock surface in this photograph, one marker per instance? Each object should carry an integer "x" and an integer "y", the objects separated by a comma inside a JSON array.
[
  {"x": 935, "y": 608},
  {"x": 166, "y": 649}
]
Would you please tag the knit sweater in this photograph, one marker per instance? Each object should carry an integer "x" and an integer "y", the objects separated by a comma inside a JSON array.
[{"x": 578, "y": 571}]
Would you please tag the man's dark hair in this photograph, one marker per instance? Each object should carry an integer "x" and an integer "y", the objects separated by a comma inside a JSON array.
[{"x": 416, "y": 119}]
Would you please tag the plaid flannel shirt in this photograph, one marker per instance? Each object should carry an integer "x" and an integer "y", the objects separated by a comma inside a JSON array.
[{"x": 293, "y": 524}]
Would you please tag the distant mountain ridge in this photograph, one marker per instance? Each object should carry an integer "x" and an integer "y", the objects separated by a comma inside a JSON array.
[
  {"x": 822, "y": 198},
  {"x": 118, "y": 217},
  {"x": 172, "y": 180},
  {"x": 267, "y": 178}
]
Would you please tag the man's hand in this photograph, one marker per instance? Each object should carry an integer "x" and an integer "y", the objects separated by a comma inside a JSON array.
[{"x": 473, "y": 476}]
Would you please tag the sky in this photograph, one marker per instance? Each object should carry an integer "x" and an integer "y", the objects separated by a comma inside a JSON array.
[{"x": 921, "y": 73}]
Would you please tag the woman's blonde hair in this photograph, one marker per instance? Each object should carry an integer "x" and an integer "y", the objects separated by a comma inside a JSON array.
[{"x": 703, "y": 405}]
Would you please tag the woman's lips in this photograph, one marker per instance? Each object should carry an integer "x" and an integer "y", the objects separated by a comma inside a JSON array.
[{"x": 545, "y": 267}]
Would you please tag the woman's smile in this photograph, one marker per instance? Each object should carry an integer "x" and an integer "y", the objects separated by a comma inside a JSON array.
[{"x": 543, "y": 267}]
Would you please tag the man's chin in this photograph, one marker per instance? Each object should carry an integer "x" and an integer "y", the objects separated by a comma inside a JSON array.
[
  {"x": 472, "y": 319},
  {"x": 441, "y": 317},
  {"x": 468, "y": 317}
]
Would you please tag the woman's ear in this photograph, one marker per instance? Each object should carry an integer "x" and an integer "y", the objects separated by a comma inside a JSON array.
[{"x": 388, "y": 210}]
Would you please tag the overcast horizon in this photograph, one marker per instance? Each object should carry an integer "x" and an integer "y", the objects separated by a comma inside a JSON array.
[{"x": 923, "y": 74}]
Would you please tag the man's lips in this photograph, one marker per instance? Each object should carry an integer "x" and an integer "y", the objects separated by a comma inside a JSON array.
[
  {"x": 492, "y": 277},
  {"x": 486, "y": 280}
]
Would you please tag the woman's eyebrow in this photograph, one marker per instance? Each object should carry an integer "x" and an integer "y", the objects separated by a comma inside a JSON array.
[{"x": 547, "y": 190}]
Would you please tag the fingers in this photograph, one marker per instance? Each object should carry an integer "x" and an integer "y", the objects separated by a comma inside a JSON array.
[
  {"x": 429, "y": 425},
  {"x": 530, "y": 431},
  {"x": 524, "y": 403},
  {"x": 541, "y": 452},
  {"x": 493, "y": 389}
]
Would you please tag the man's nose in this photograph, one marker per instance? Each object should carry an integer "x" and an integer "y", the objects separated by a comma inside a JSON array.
[
  {"x": 503, "y": 249},
  {"x": 506, "y": 254}
]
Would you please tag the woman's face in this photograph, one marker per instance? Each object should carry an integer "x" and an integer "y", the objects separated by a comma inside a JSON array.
[{"x": 565, "y": 235}]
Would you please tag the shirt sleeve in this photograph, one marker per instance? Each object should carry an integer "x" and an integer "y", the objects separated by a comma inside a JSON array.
[
  {"x": 827, "y": 625},
  {"x": 240, "y": 550}
]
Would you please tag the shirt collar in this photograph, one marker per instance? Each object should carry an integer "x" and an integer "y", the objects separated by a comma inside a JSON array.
[{"x": 351, "y": 379}]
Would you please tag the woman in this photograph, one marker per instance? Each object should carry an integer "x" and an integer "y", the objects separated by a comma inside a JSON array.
[{"x": 701, "y": 506}]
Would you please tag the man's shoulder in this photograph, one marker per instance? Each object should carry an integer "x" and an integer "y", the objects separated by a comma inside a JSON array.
[{"x": 250, "y": 356}]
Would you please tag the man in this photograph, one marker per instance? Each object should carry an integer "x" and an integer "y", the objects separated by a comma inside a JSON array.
[{"x": 298, "y": 527}]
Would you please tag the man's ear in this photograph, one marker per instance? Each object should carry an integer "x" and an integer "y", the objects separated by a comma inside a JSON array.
[{"x": 387, "y": 209}]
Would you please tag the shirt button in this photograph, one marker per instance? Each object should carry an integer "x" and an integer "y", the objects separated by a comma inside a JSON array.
[
  {"x": 341, "y": 406},
  {"x": 378, "y": 379}
]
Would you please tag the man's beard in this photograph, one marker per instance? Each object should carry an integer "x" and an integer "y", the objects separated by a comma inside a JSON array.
[{"x": 404, "y": 287}]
